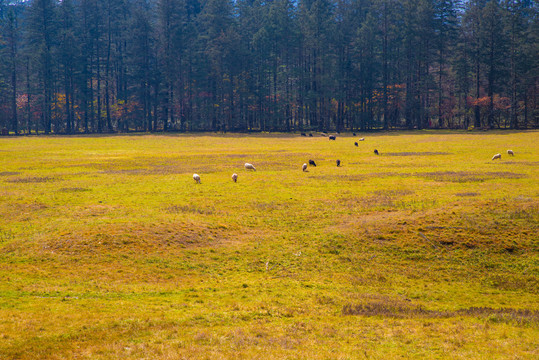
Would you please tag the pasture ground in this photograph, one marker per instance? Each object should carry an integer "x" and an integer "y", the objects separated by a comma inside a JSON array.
[{"x": 109, "y": 250}]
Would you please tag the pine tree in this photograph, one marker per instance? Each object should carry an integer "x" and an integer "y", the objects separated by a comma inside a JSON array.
[
  {"x": 42, "y": 29},
  {"x": 493, "y": 46}
]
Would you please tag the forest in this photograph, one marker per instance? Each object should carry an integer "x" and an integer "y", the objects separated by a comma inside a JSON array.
[{"x": 103, "y": 66}]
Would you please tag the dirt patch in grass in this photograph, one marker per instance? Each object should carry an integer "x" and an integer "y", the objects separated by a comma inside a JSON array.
[
  {"x": 37, "y": 179},
  {"x": 190, "y": 209},
  {"x": 393, "y": 193},
  {"x": 391, "y": 307},
  {"x": 422, "y": 153},
  {"x": 469, "y": 176},
  {"x": 141, "y": 171},
  {"x": 507, "y": 315},
  {"x": 527, "y": 163},
  {"x": 332, "y": 178},
  {"x": 465, "y": 194},
  {"x": 9, "y": 173},
  {"x": 160, "y": 170}
]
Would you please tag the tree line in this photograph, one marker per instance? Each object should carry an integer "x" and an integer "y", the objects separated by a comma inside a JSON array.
[{"x": 98, "y": 66}]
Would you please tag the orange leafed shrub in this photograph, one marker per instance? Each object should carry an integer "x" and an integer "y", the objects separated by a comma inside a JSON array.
[{"x": 500, "y": 102}]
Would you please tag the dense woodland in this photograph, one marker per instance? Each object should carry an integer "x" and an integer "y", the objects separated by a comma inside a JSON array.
[{"x": 98, "y": 66}]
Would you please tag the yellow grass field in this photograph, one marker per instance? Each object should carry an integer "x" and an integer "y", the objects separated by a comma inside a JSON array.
[{"x": 110, "y": 250}]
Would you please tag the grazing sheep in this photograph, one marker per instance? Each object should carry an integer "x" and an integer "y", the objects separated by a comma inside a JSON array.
[
  {"x": 356, "y": 144},
  {"x": 353, "y": 134},
  {"x": 249, "y": 167},
  {"x": 362, "y": 139},
  {"x": 497, "y": 156},
  {"x": 323, "y": 134},
  {"x": 332, "y": 137},
  {"x": 376, "y": 152},
  {"x": 235, "y": 177},
  {"x": 510, "y": 152},
  {"x": 196, "y": 177},
  {"x": 311, "y": 134},
  {"x": 304, "y": 167},
  {"x": 338, "y": 162},
  {"x": 312, "y": 163},
  {"x": 303, "y": 134}
]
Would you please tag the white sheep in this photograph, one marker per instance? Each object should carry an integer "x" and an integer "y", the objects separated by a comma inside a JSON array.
[
  {"x": 249, "y": 167},
  {"x": 497, "y": 156},
  {"x": 510, "y": 152},
  {"x": 304, "y": 167},
  {"x": 362, "y": 139},
  {"x": 235, "y": 177},
  {"x": 196, "y": 177}
]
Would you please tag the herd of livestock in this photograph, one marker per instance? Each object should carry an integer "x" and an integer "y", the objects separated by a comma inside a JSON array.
[{"x": 249, "y": 166}]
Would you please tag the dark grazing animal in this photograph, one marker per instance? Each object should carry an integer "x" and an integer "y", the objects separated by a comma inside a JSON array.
[
  {"x": 332, "y": 137},
  {"x": 311, "y": 134},
  {"x": 356, "y": 144},
  {"x": 303, "y": 134},
  {"x": 312, "y": 163},
  {"x": 338, "y": 162},
  {"x": 354, "y": 134},
  {"x": 376, "y": 152}
]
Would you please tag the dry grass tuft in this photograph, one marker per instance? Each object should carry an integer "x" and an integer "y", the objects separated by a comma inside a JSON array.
[
  {"x": 391, "y": 307},
  {"x": 190, "y": 209},
  {"x": 73, "y": 189},
  {"x": 29, "y": 180},
  {"x": 465, "y": 194},
  {"x": 22, "y": 211},
  {"x": 521, "y": 317}
]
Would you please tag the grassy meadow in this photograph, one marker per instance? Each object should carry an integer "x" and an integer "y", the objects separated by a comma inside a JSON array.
[{"x": 109, "y": 250}]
